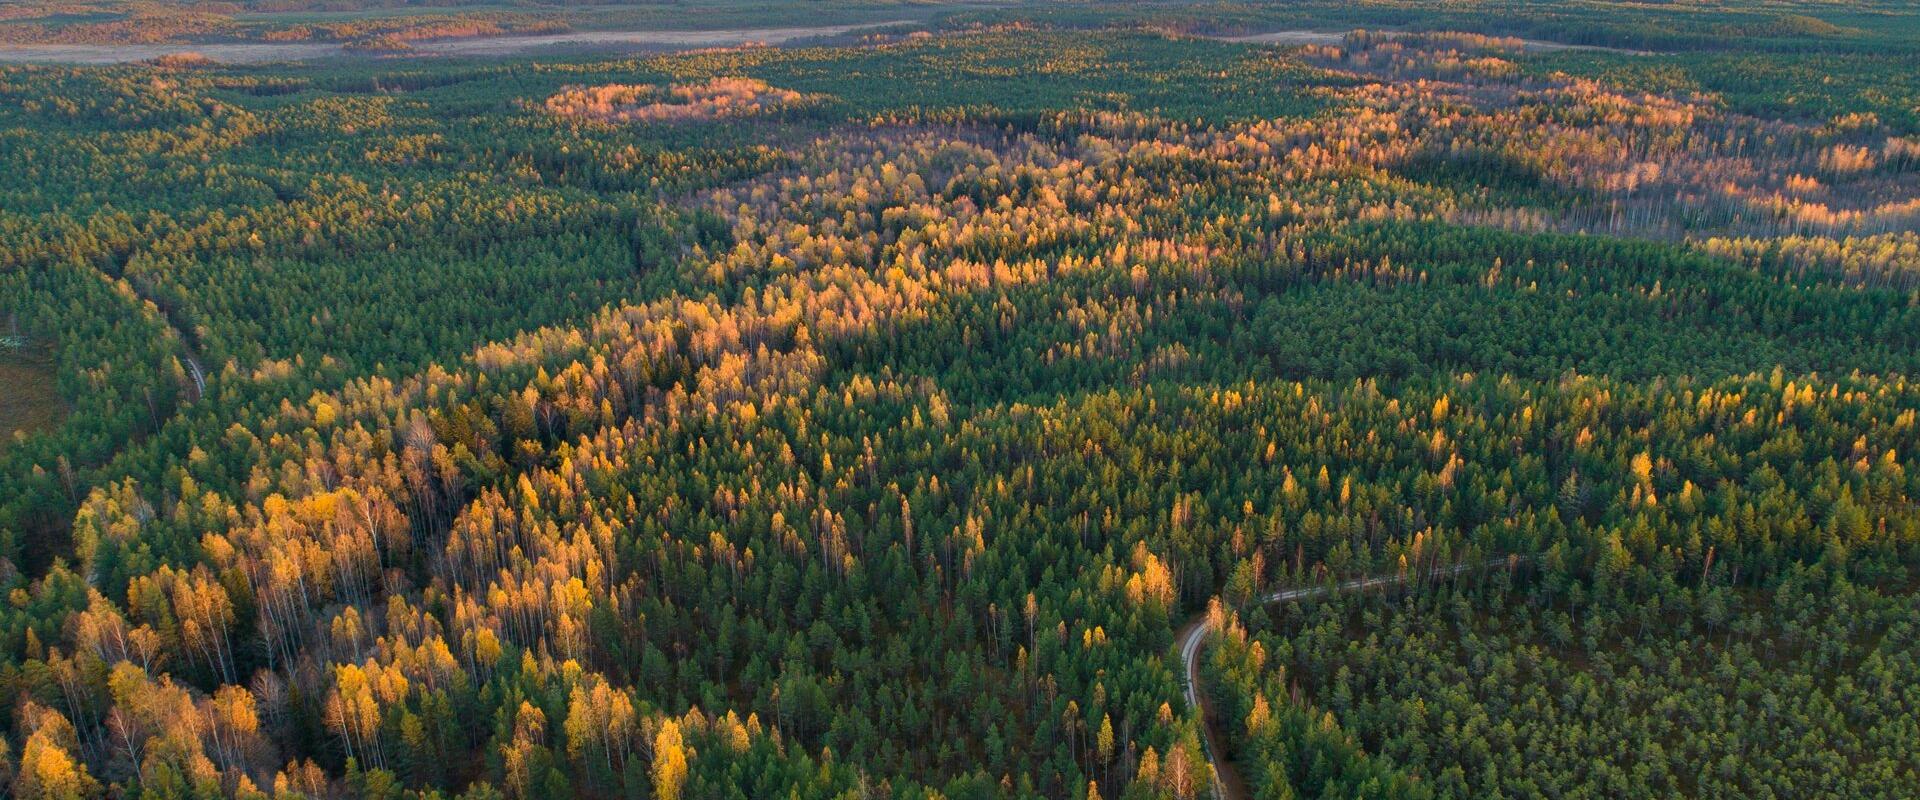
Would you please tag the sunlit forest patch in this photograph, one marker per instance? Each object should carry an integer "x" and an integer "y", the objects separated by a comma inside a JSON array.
[
  {"x": 1024, "y": 73},
  {"x": 1812, "y": 87},
  {"x": 717, "y": 98},
  {"x": 910, "y": 417}
]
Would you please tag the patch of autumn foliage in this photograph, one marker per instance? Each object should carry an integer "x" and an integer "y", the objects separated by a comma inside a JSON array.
[{"x": 713, "y": 99}]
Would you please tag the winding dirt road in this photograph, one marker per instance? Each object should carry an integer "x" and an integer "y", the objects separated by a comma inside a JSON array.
[
  {"x": 1227, "y": 783},
  {"x": 199, "y": 376}
]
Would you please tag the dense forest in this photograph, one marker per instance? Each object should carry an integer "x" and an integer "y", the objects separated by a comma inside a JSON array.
[{"x": 874, "y": 418}]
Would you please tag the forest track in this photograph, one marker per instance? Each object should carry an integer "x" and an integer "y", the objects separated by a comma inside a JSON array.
[
  {"x": 189, "y": 351},
  {"x": 182, "y": 334},
  {"x": 1227, "y": 783},
  {"x": 193, "y": 369}
]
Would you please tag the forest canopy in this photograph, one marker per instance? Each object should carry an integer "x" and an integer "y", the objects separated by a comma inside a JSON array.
[{"x": 1467, "y": 399}]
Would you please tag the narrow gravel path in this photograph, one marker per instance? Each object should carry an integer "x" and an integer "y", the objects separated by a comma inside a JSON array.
[{"x": 1227, "y": 783}]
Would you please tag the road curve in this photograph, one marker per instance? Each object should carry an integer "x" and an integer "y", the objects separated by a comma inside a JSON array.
[
  {"x": 1227, "y": 784},
  {"x": 199, "y": 376}
]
